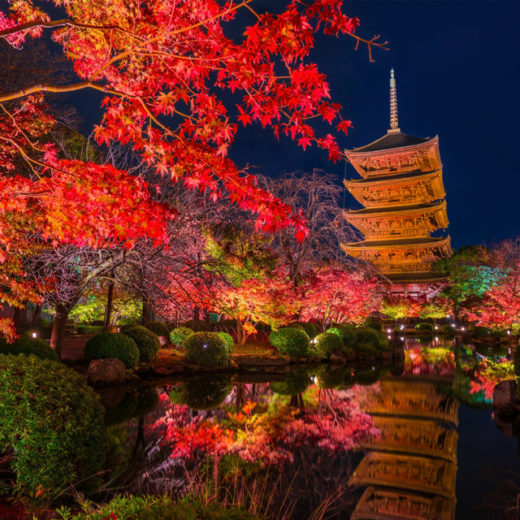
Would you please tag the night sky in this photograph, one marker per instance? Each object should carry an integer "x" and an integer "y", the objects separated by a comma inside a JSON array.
[{"x": 457, "y": 66}]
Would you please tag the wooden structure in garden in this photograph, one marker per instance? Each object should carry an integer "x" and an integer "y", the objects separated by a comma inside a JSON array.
[
  {"x": 410, "y": 470},
  {"x": 403, "y": 196}
]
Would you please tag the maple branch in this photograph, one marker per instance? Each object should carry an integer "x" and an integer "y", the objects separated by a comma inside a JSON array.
[
  {"x": 61, "y": 89},
  {"x": 63, "y": 23}
]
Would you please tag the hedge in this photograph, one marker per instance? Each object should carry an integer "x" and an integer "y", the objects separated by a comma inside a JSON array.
[
  {"x": 53, "y": 421},
  {"x": 147, "y": 342},
  {"x": 109, "y": 345},
  {"x": 206, "y": 349},
  {"x": 290, "y": 341}
]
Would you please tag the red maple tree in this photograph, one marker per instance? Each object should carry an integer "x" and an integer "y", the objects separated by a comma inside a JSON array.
[{"x": 336, "y": 295}]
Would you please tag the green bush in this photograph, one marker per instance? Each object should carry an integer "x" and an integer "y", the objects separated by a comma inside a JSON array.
[
  {"x": 206, "y": 349},
  {"x": 178, "y": 335},
  {"x": 147, "y": 342},
  {"x": 158, "y": 328},
  {"x": 89, "y": 329},
  {"x": 27, "y": 345},
  {"x": 370, "y": 341},
  {"x": 52, "y": 420},
  {"x": 109, "y": 345},
  {"x": 346, "y": 332},
  {"x": 327, "y": 344},
  {"x": 311, "y": 329},
  {"x": 161, "y": 508},
  {"x": 374, "y": 324},
  {"x": 202, "y": 394},
  {"x": 290, "y": 341},
  {"x": 228, "y": 340},
  {"x": 296, "y": 382}
]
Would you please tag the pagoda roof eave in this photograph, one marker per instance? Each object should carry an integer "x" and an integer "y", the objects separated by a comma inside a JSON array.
[
  {"x": 393, "y": 179},
  {"x": 391, "y": 142},
  {"x": 392, "y": 211},
  {"x": 413, "y": 243}
]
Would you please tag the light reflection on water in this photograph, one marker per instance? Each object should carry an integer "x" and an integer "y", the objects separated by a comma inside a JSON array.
[{"x": 384, "y": 440}]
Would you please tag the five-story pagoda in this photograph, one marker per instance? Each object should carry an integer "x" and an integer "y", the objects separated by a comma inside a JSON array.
[{"x": 403, "y": 197}]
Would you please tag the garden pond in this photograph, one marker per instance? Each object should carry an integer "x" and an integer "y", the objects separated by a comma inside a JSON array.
[{"x": 416, "y": 438}]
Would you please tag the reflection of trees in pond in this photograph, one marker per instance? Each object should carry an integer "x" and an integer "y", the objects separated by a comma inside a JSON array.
[
  {"x": 296, "y": 382},
  {"x": 202, "y": 394},
  {"x": 267, "y": 441},
  {"x": 123, "y": 403},
  {"x": 430, "y": 361}
]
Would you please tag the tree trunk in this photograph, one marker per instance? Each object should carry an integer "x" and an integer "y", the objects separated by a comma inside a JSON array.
[
  {"x": 58, "y": 328},
  {"x": 36, "y": 315},
  {"x": 145, "y": 318},
  {"x": 110, "y": 304},
  {"x": 20, "y": 318}
]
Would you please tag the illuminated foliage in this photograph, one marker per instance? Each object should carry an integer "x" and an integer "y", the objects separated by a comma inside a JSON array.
[{"x": 335, "y": 295}]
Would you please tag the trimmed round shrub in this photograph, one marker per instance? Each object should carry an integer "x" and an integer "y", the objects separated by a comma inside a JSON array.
[
  {"x": 147, "y": 342},
  {"x": 346, "y": 332},
  {"x": 203, "y": 394},
  {"x": 327, "y": 344},
  {"x": 163, "y": 508},
  {"x": 290, "y": 341},
  {"x": 311, "y": 329},
  {"x": 178, "y": 335},
  {"x": 53, "y": 422},
  {"x": 228, "y": 340},
  {"x": 109, "y": 345},
  {"x": 370, "y": 341},
  {"x": 296, "y": 382},
  {"x": 158, "y": 328},
  {"x": 206, "y": 349},
  {"x": 29, "y": 346},
  {"x": 374, "y": 324},
  {"x": 366, "y": 340}
]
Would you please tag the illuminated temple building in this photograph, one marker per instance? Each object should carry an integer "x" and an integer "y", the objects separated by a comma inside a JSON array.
[{"x": 402, "y": 195}]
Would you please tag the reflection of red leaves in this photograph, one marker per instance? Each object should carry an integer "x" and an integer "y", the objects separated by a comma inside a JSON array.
[{"x": 334, "y": 424}]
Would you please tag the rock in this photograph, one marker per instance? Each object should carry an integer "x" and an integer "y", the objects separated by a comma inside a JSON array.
[
  {"x": 108, "y": 371},
  {"x": 504, "y": 393}
]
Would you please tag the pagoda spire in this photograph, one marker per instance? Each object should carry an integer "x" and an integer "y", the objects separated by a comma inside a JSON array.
[{"x": 394, "y": 121}]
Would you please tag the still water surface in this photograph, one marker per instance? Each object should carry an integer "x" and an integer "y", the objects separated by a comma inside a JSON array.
[{"x": 411, "y": 440}]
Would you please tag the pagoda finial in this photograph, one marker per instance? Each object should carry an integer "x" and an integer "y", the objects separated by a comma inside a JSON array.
[{"x": 394, "y": 121}]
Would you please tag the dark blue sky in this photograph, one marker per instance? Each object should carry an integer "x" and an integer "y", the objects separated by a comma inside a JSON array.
[{"x": 457, "y": 66}]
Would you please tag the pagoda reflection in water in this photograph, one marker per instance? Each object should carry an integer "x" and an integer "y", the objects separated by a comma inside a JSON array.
[{"x": 410, "y": 470}]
